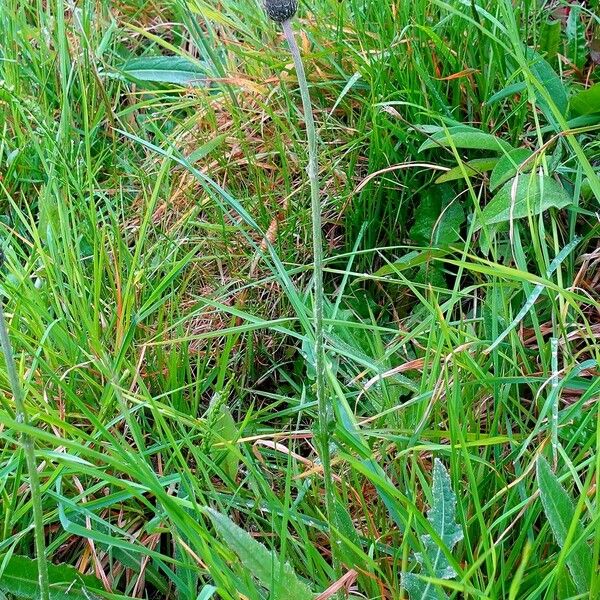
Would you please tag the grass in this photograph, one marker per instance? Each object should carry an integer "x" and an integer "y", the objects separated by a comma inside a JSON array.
[{"x": 158, "y": 289}]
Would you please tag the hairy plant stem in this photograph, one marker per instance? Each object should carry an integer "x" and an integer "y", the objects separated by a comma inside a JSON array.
[
  {"x": 323, "y": 406},
  {"x": 28, "y": 448}
]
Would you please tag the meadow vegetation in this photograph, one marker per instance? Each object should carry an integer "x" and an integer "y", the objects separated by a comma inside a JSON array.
[{"x": 158, "y": 287}]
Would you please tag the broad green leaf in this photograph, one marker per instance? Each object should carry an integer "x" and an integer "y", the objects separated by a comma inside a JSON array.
[
  {"x": 587, "y": 102},
  {"x": 560, "y": 514},
  {"x": 472, "y": 168},
  {"x": 165, "y": 69},
  {"x": 442, "y": 516},
  {"x": 19, "y": 577},
  {"x": 432, "y": 275},
  {"x": 508, "y": 166},
  {"x": 547, "y": 76},
  {"x": 418, "y": 589},
  {"x": 550, "y": 38},
  {"x": 260, "y": 562},
  {"x": 470, "y": 140},
  {"x": 437, "y": 225},
  {"x": 447, "y": 228},
  {"x": 531, "y": 196},
  {"x": 345, "y": 526}
]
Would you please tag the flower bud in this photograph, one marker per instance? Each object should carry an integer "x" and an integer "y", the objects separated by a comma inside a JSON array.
[{"x": 281, "y": 10}]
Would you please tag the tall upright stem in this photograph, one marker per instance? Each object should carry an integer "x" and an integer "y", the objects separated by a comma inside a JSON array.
[
  {"x": 323, "y": 406},
  {"x": 29, "y": 450}
]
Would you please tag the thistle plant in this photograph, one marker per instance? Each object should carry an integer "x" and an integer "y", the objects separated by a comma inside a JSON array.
[
  {"x": 29, "y": 450},
  {"x": 282, "y": 11}
]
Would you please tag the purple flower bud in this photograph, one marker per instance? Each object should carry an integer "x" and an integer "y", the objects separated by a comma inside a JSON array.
[{"x": 281, "y": 10}]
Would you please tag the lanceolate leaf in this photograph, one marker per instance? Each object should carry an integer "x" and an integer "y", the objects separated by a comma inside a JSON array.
[
  {"x": 176, "y": 70},
  {"x": 225, "y": 431},
  {"x": 577, "y": 49},
  {"x": 531, "y": 195},
  {"x": 549, "y": 79},
  {"x": 259, "y": 561},
  {"x": 587, "y": 102},
  {"x": 560, "y": 514},
  {"x": 550, "y": 38},
  {"x": 471, "y": 140},
  {"x": 474, "y": 167},
  {"x": 19, "y": 577},
  {"x": 433, "y": 561}
]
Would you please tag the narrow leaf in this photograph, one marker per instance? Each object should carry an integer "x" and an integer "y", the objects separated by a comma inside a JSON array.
[
  {"x": 472, "y": 168},
  {"x": 560, "y": 513},
  {"x": 207, "y": 148},
  {"x": 576, "y": 49},
  {"x": 226, "y": 431},
  {"x": 165, "y": 69},
  {"x": 509, "y": 90},
  {"x": 550, "y": 38},
  {"x": 547, "y": 76},
  {"x": 470, "y": 140}
]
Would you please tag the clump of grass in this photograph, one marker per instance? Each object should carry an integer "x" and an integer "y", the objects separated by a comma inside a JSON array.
[
  {"x": 147, "y": 306},
  {"x": 21, "y": 416}
]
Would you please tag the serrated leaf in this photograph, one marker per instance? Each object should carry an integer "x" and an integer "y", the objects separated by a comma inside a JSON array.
[
  {"x": 176, "y": 70},
  {"x": 418, "y": 589},
  {"x": 19, "y": 577},
  {"x": 442, "y": 516},
  {"x": 508, "y": 166},
  {"x": 560, "y": 513},
  {"x": 435, "y": 225},
  {"x": 531, "y": 196},
  {"x": 469, "y": 140},
  {"x": 587, "y": 102},
  {"x": 472, "y": 168},
  {"x": 259, "y": 561}
]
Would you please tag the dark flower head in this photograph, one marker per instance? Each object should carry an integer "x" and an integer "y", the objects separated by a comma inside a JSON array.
[{"x": 281, "y": 10}]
